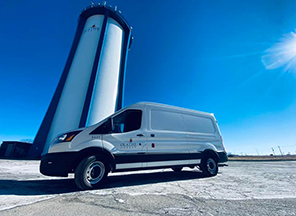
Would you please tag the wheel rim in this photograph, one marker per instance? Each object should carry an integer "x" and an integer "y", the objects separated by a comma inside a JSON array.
[
  {"x": 95, "y": 172},
  {"x": 211, "y": 166}
]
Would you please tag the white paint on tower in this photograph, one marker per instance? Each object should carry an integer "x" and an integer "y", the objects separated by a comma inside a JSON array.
[
  {"x": 105, "y": 90},
  {"x": 69, "y": 109}
]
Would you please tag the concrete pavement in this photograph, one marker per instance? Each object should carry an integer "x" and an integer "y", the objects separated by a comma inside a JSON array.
[{"x": 242, "y": 188}]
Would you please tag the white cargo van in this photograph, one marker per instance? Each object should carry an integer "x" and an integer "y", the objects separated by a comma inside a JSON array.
[{"x": 141, "y": 136}]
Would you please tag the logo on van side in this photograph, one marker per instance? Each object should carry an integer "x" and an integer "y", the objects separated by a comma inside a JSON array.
[{"x": 128, "y": 145}]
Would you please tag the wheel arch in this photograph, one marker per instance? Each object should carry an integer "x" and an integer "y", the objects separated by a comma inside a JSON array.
[
  {"x": 94, "y": 151},
  {"x": 210, "y": 152}
]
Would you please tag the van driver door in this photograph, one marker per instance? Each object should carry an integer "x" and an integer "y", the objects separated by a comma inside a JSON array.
[{"x": 128, "y": 139}]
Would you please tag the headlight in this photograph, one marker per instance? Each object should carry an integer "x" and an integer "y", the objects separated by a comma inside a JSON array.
[{"x": 67, "y": 137}]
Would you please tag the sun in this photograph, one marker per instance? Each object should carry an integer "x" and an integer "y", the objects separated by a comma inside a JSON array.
[{"x": 282, "y": 54}]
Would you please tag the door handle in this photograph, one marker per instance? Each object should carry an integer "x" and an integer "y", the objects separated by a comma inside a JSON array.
[{"x": 140, "y": 135}]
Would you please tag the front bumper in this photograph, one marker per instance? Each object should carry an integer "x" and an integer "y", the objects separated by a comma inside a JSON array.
[{"x": 58, "y": 164}]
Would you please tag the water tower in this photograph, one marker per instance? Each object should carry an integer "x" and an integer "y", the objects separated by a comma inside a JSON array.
[{"x": 92, "y": 83}]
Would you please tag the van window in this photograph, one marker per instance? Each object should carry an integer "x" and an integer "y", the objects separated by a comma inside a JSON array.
[
  {"x": 129, "y": 120},
  {"x": 104, "y": 128},
  {"x": 169, "y": 121},
  {"x": 199, "y": 124}
]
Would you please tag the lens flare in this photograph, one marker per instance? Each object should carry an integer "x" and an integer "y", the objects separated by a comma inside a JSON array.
[{"x": 282, "y": 54}]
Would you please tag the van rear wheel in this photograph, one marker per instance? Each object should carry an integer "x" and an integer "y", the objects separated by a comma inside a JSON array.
[
  {"x": 91, "y": 172},
  {"x": 209, "y": 165}
]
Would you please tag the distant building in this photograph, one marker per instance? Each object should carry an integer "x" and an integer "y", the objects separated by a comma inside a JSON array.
[{"x": 14, "y": 149}]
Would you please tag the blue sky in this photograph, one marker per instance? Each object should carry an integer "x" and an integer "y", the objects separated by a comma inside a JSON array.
[{"x": 202, "y": 55}]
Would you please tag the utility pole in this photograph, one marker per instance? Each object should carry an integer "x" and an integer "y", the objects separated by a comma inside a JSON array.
[
  {"x": 280, "y": 151},
  {"x": 273, "y": 151},
  {"x": 257, "y": 152}
]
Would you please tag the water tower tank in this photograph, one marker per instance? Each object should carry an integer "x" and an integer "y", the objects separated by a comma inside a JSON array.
[{"x": 92, "y": 83}]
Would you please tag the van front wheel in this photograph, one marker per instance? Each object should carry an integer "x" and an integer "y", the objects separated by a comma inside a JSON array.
[
  {"x": 90, "y": 173},
  {"x": 209, "y": 165}
]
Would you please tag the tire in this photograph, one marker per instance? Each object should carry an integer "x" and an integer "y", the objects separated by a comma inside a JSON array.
[
  {"x": 91, "y": 172},
  {"x": 177, "y": 169},
  {"x": 209, "y": 165}
]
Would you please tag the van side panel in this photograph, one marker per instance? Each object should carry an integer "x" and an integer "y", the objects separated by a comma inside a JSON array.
[
  {"x": 162, "y": 120},
  {"x": 180, "y": 131},
  {"x": 169, "y": 133},
  {"x": 199, "y": 124}
]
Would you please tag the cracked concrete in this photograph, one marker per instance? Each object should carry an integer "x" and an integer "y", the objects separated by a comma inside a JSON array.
[{"x": 242, "y": 188}]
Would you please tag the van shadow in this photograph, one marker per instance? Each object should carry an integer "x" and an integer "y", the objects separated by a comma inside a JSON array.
[{"x": 62, "y": 186}]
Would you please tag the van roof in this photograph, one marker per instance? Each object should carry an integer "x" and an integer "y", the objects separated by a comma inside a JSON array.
[{"x": 152, "y": 104}]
